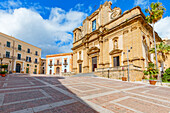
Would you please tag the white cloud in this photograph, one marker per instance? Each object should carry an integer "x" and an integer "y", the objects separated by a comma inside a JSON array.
[
  {"x": 10, "y": 4},
  {"x": 52, "y": 35},
  {"x": 163, "y": 27},
  {"x": 143, "y": 3}
]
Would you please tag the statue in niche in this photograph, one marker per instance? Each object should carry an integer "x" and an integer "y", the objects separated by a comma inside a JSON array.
[{"x": 115, "y": 44}]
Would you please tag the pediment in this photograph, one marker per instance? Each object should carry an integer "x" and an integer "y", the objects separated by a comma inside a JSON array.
[
  {"x": 115, "y": 51},
  {"x": 79, "y": 61},
  {"x": 93, "y": 50}
]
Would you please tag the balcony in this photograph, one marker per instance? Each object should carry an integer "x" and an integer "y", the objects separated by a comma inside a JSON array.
[
  {"x": 5, "y": 45},
  {"x": 5, "y": 56},
  {"x": 28, "y": 61},
  {"x": 65, "y": 63},
  {"x": 50, "y": 64},
  {"x": 20, "y": 58},
  {"x": 58, "y": 64},
  {"x": 36, "y": 62}
]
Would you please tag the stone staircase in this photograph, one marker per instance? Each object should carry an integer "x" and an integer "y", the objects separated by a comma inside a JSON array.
[{"x": 84, "y": 75}]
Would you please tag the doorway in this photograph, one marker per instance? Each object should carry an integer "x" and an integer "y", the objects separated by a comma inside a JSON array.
[
  {"x": 116, "y": 61},
  {"x": 58, "y": 70},
  {"x": 94, "y": 63},
  {"x": 65, "y": 70},
  {"x": 50, "y": 72},
  {"x": 18, "y": 68},
  {"x": 27, "y": 70},
  {"x": 80, "y": 68}
]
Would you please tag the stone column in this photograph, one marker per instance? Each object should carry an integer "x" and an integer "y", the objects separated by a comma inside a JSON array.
[
  {"x": 85, "y": 59},
  {"x": 22, "y": 67},
  {"x": 14, "y": 70},
  {"x": 101, "y": 52}
]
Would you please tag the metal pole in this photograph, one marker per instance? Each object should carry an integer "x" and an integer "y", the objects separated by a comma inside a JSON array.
[
  {"x": 128, "y": 63},
  {"x": 108, "y": 73}
]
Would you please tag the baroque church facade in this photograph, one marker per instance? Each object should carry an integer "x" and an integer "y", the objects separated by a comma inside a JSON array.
[{"x": 107, "y": 36}]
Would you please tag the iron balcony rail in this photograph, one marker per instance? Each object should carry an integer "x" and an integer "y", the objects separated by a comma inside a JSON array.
[
  {"x": 5, "y": 56},
  {"x": 36, "y": 62},
  {"x": 65, "y": 63},
  {"x": 58, "y": 64},
  {"x": 50, "y": 64}
]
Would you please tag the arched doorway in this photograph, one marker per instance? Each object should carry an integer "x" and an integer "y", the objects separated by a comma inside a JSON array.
[
  {"x": 57, "y": 70},
  {"x": 18, "y": 68}
]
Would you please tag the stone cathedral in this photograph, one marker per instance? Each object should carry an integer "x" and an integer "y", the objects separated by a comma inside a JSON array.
[{"x": 108, "y": 35}]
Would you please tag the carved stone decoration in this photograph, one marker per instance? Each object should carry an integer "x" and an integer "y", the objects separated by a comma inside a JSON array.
[
  {"x": 116, "y": 12},
  {"x": 115, "y": 51},
  {"x": 93, "y": 49}
]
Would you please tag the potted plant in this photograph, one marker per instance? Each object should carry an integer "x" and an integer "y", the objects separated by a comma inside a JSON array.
[
  {"x": 2, "y": 73},
  {"x": 123, "y": 78},
  {"x": 152, "y": 72}
]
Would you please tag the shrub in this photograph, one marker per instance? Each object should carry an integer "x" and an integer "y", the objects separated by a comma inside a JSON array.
[
  {"x": 5, "y": 66},
  {"x": 3, "y": 72},
  {"x": 166, "y": 76},
  {"x": 151, "y": 71}
]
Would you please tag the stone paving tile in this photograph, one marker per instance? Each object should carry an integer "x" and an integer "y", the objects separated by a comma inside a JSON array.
[
  {"x": 56, "y": 95},
  {"x": 105, "y": 99},
  {"x": 71, "y": 108},
  {"x": 117, "y": 109},
  {"x": 22, "y": 96},
  {"x": 24, "y": 92}
]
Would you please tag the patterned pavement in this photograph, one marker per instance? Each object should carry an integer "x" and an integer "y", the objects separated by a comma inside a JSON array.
[{"x": 43, "y": 94}]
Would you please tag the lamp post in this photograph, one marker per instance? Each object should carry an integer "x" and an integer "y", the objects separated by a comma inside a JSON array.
[{"x": 128, "y": 50}]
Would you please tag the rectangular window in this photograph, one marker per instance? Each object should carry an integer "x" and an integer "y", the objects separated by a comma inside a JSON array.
[
  {"x": 19, "y": 47},
  {"x": 26, "y": 58},
  {"x": 8, "y": 44},
  {"x": 19, "y": 57},
  {"x": 36, "y": 52},
  {"x": 7, "y": 54},
  {"x": 116, "y": 61},
  {"x": 29, "y": 59},
  {"x": 57, "y": 61},
  {"x": 28, "y": 51},
  {"x": 35, "y": 60},
  {"x": 93, "y": 25}
]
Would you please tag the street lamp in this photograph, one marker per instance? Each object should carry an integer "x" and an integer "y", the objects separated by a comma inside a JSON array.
[{"x": 128, "y": 50}]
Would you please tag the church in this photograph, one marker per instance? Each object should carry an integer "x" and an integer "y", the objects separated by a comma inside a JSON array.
[{"x": 110, "y": 39}]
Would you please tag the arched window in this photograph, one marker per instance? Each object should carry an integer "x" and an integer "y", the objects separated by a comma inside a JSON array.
[{"x": 75, "y": 36}]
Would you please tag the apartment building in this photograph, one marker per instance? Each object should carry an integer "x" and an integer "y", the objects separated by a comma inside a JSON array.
[
  {"x": 59, "y": 63},
  {"x": 20, "y": 56},
  {"x": 43, "y": 66}
]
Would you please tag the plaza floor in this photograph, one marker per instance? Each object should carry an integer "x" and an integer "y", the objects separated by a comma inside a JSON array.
[{"x": 43, "y": 94}]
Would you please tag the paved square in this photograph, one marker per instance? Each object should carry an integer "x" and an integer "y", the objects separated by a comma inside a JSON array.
[{"x": 43, "y": 94}]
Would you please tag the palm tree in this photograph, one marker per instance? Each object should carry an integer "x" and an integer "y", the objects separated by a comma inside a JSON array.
[
  {"x": 162, "y": 52},
  {"x": 156, "y": 11}
]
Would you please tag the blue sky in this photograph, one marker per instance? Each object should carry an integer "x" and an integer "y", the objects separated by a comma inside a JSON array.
[{"x": 48, "y": 24}]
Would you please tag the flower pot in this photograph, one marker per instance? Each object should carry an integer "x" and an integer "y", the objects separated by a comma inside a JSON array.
[
  {"x": 3, "y": 75},
  {"x": 152, "y": 82},
  {"x": 124, "y": 79}
]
